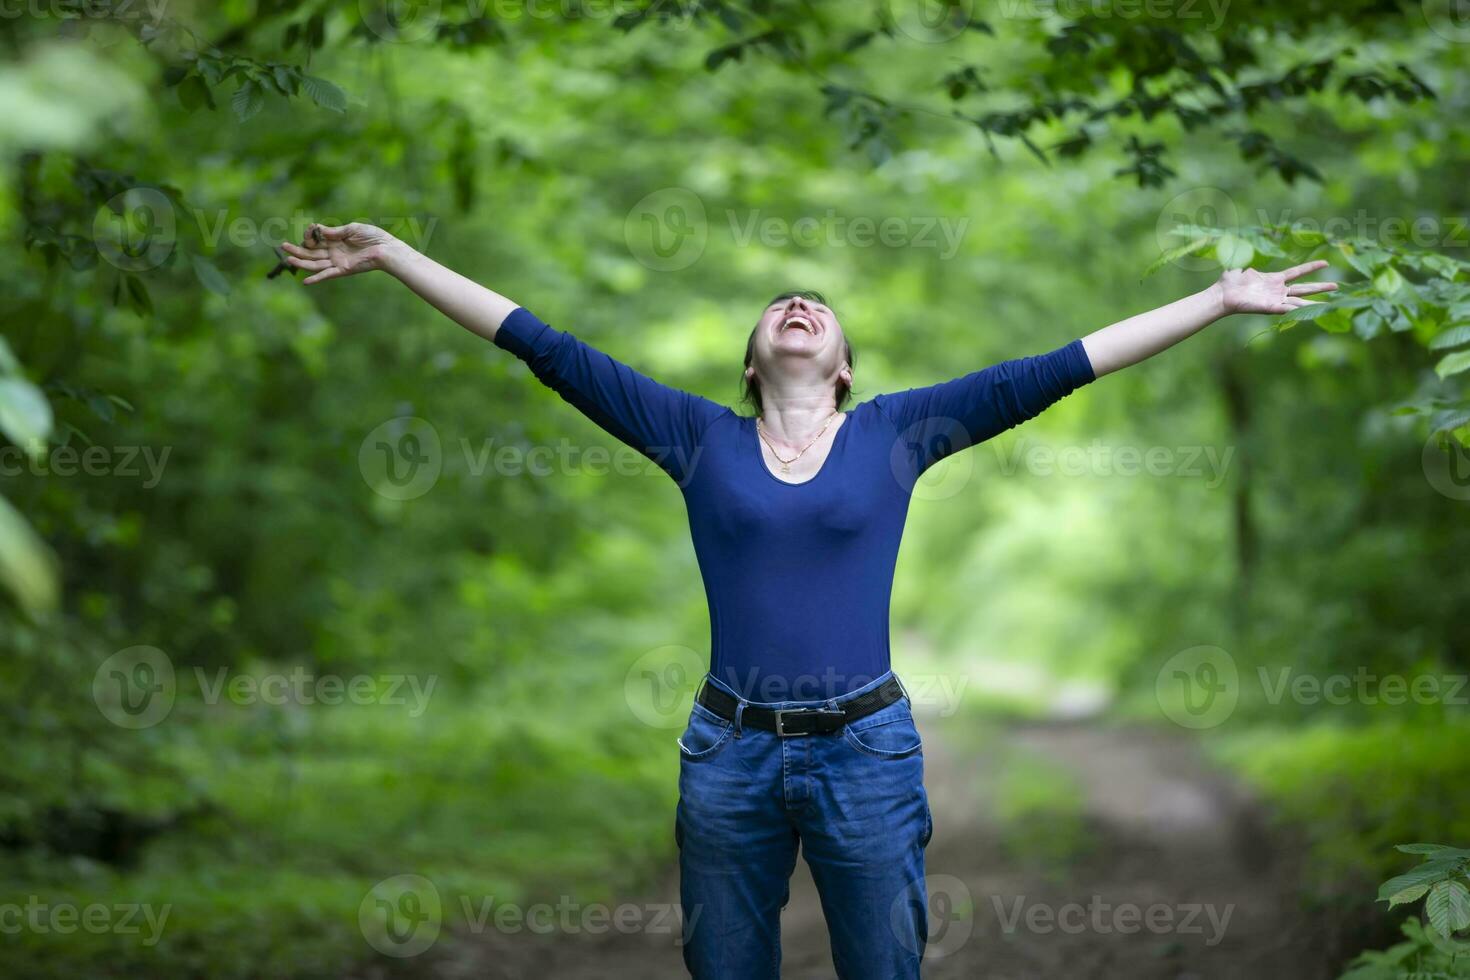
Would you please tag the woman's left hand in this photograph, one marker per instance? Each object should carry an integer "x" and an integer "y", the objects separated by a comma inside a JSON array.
[{"x": 1249, "y": 291}]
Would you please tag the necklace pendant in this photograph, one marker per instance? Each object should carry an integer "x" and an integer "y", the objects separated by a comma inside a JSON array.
[{"x": 785, "y": 468}]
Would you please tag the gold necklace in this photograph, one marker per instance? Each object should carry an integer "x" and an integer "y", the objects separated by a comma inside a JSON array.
[{"x": 760, "y": 428}]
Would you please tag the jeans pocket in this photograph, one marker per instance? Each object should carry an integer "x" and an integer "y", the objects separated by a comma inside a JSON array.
[
  {"x": 706, "y": 734},
  {"x": 895, "y": 739}
]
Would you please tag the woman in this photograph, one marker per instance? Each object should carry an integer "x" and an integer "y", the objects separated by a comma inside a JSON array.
[{"x": 800, "y": 735}]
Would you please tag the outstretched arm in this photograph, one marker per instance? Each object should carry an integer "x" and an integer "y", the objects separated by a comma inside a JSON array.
[
  {"x": 942, "y": 419},
  {"x": 663, "y": 423},
  {"x": 1238, "y": 291},
  {"x": 330, "y": 253}
]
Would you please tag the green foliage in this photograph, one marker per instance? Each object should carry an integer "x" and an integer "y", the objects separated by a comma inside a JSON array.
[
  {"x": 1417, "y": 956},
  {"x": 1039, "y": 809},
  {"x": 1420, "y": 292},
  {"x": 516, "y": 148},
  {"x": 1078, "y": 77},
  {"x": 1433, "y": 950},
  {"x": 1354, "y": 792}
]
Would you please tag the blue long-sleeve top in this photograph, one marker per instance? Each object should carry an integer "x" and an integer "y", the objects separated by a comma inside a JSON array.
[{"x": 798, "y": 576}]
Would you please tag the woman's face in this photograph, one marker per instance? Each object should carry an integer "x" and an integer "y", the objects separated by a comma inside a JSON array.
[{"x": 800, "y": 337}]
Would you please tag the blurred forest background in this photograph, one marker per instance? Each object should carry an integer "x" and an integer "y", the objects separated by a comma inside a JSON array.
[{"x": 251, "y": 670}]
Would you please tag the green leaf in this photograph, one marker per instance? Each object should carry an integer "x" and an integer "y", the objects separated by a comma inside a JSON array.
[
  {"x": 1304, "y": 237},
  {"x": 1410, "y": 894},
  {"x": 27, "y": 566},
  {"x": 1234, "y": 252},
  {"x": 1453, "y": 363},
  {"x": 194, "y": 93},
  {"x": 1177, "y": 252},
  {"x": 1388, "y": 281},
  {"x": 324, "y": 93},
  {"x": 25, "y": 414},
  {"x": 1354, "y": 259},
  {"x": 1429, "y": 873},
  {"x": 8, "y": 362},
  {"x": 1367, "y": 324},
  {"x": 1450, "y": 418},
  {"x": 209, "y": 276},
  {"x": 248, "y": 100},
  {"x": 1262, "y": 243},
  {"x": 1448, "y": 907},
  {"x": 1309, "y": 312},
  {"x": 138, "y": 296},
  {"x": 101, "y": 407},
  {"x": 1432, "y": 849},
  {"x": 1453, "y": 337}
]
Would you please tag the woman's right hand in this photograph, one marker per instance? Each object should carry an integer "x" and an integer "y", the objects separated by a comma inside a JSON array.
[{"x": 345, "y": 250}]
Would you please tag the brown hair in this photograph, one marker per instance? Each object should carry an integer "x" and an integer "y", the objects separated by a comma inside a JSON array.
[{"x": 750, "y": 388}]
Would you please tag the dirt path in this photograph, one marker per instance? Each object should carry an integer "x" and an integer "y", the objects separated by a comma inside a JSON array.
[{"x": 1165, "y": 872}]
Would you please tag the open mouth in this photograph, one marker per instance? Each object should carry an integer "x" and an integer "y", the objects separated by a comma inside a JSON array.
[{"x": 799, "y": 321}]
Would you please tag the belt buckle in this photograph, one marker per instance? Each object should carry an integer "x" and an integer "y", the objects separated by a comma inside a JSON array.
[{"x": 783, "y": 712}]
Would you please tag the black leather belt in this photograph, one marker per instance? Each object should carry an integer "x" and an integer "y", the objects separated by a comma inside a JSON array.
[{"x": 787, "y": 722}]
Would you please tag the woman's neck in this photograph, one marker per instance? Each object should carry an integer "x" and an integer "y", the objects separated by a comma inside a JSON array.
[{"x": 794, "y": 419}]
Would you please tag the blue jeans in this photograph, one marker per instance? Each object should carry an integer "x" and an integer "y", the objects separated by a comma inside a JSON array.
[{"x": 854, "y": 801}]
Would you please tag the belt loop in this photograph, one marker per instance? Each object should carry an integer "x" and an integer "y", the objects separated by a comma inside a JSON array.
[{"x": 739, "y": 713}]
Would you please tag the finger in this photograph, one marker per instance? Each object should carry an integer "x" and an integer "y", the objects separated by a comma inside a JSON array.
[
  {"x": 328, "y": 232},
  {"x": 291, "y": 248},
  {"x": 1304, "y": 268},
  {"x": 1296, "y": 303},
  {"x": 311, "y": 265},
  {"x": 322, "y": 276},
  {"x": 1307, "y": 288}
]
